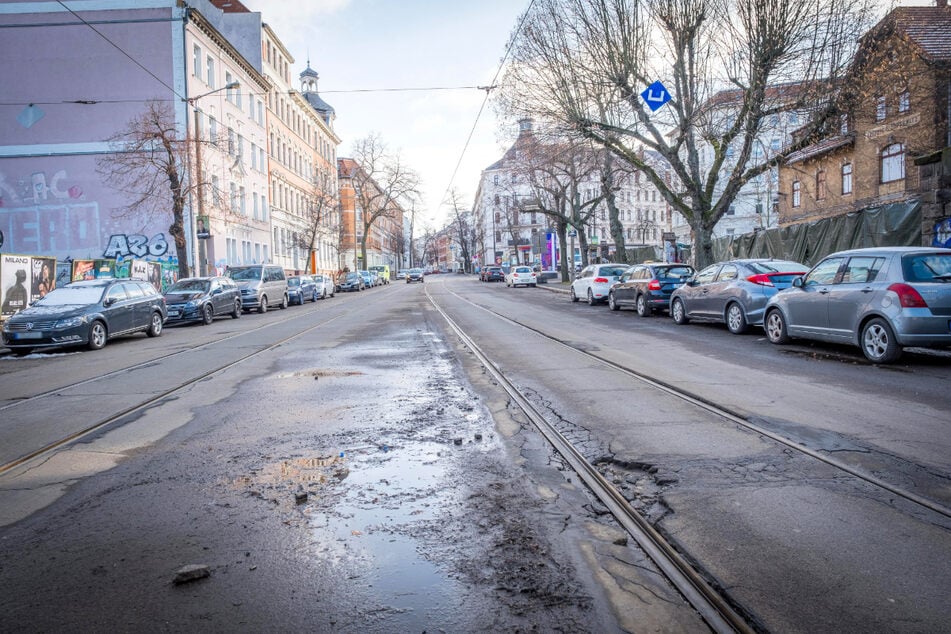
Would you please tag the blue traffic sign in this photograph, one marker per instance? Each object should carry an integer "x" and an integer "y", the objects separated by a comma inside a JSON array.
[{"x": 656, "y": 95}]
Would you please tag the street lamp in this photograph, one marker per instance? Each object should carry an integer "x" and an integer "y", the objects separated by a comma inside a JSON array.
[{"x": 202, "y": 267}]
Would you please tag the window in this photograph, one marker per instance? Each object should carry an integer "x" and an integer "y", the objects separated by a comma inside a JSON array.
[
  {"x": 893, "y": 163},
  {"x": 213, "y": 129},
  {"x": 234, "y": 198},
  {"x": 846, "y": 179},
  {"x": 231, "y": 142},
  {"x": 904, "y": 102},
  {"x": 215, "y": 191},
  {"x": 796, "y": 194},
  {"x": 821, "y": 185},
  {"x": 861, "y": 270},
  {"x": 731, "y": 210},
  {"x": 196, "y": 62},
  {"x": 843, "y": 124},
  {"x": 880, "y": 109},
  {"x": 210, "y": 73},
  {"x": 823, "y": 273}
]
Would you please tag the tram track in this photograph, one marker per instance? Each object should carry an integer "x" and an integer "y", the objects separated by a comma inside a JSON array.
[
  {"x": 716, "y": 610},
  {"x": 113, "y": 417}
]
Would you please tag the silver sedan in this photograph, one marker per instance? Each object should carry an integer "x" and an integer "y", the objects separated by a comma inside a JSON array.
[{"x": 879, "y": 299}]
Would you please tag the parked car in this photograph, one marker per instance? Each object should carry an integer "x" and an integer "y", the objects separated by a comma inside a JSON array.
[
  {"x": 521, "y": 276},
  {"x": 647, "y": 287},
  {"x": 352, "y": 282},
  {"x": 202, "y": 299},
  {"x": 383, "y": 272},
  {"x": 367, "y": 279},
  {"x": 401, "y": 274},
  {"x": 262, "y": 286},
  {"x": 594, "y": 282},
  {"x": 87, "y": 313},
  {"x": 492, "y": 274},
  {"x": 733, "y": 292},
  {"x": 301, "y": 288},
  {"x": 325, "y": 286},
  {"x": 880, "y": 299},
  {"x": 415, "y": 275}
]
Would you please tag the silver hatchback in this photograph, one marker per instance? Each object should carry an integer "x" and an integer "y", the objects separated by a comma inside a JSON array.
[{"x": 879, "y": 299}]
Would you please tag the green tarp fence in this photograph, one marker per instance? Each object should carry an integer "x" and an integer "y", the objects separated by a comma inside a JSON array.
[{"x": 897, "y": 224}]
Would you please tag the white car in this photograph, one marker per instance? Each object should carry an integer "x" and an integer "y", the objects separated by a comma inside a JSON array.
[
  {"x": 325, "y": 286},
  {"x": 595, "y": 281},
  {"x": 521, "y": 276}
]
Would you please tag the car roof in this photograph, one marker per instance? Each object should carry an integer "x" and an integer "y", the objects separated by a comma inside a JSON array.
[{"x": 890, "y": 251}]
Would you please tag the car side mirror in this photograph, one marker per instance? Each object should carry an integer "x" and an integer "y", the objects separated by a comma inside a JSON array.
[
  {"x": 797, "y": 282},
  {"x": 109, "y": 301}
]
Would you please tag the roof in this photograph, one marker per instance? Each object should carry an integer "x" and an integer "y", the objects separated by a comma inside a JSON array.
[
  {"x": 822, "y": 147},
  {"x": 928, "y": 27},
  {"x": 777, "y": 92},
  {"x": 231, "y": 6}
]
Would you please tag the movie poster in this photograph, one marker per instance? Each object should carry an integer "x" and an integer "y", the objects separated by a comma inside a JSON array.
[
  {"x": 15, "y": 283},
  {"x": 147, "y": 272},
  {"x": 44, "y": 277},
  {"x": 92, "y": 269}
]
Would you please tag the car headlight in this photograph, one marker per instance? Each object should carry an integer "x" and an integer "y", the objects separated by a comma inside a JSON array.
[
  {"x": 70, "y": 322},
  {"x": 191, "y": 304}
]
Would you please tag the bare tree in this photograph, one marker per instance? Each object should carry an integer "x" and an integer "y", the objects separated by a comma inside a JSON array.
[
  {"x": 465, "y": 228},
  {"x": 318, "y": 217},
  {"x": 382, "y": 184},
  {"x": 728, "y": 65},
  {"x": 149, "y": 163}
]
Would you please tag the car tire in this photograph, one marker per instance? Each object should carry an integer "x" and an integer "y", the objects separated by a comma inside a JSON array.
[
  {"x": 591, "y": 301},
  {"x": 155, "y": 325},
  {"x": 775, "y": 326},
  {"x": 97, "y": 335},
  {"x": 612, "y": 303},
  {"x": 878, "y": 342},
  {"x": 643, "y": 309},
  {"x": 574, "y": 297},
  {"x": 313, "y": 296},
  {"x": 263, "y": 306},
  {"x": 236, "y": 313},
  {"x": 735, "y": 319},
  {"x": 207, "y": 314},
  {"x": 284, "y": 301},
  {"x": 678, "y": 312}
]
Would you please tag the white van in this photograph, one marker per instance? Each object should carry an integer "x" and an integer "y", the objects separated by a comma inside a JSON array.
[{"x": 262, "y": 286}]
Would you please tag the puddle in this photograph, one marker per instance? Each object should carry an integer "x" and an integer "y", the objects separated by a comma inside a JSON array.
[{"x": 316, "y": 374}]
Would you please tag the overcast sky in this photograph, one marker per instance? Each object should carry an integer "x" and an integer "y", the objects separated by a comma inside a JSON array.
[{"x": 378, "y": 44}]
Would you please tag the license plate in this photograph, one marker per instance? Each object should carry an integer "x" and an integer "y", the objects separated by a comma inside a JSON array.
[{"x": 28, "y": 335}]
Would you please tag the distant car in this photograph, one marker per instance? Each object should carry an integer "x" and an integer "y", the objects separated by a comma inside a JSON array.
[
  {"x": 733, "y": 292},
  {"x": 353, "y": 282},
  {"x": 301, "y": 288},
  {"x": 879, "y": 299},
  {"x": 492, "y": 274},
  {"x": 401, "y": 274},
  {"x": 383, "y": 272},
  {"x": 325, "y": 286},
  {"x": 367, "y": 279},
  {"x": 415, "y": 275},
  {"x": 87, "y": 313},
  {"x": 647, "y": 287},
  {"x": 521, "y": 276},
  {"x": 202, "y": 299},
  {"x": 594, "y": 282}
]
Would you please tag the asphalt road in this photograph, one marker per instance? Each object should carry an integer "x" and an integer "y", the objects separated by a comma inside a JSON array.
[{"x": 401, "y": 528}]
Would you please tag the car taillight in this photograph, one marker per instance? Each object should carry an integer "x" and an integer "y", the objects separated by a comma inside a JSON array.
[
  {"x": 762, "y": 279},
  {"x": 908, "y": 297},
  {"x": 653, "y": 285},
  {"x": 601, "y": 280}
]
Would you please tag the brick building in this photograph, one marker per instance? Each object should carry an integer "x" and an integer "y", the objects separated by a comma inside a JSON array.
[{"x": 894, "y": 109}]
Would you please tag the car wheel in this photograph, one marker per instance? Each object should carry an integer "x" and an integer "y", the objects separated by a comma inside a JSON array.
[
  {"x": 776, "y": 327},
  {"x": 236, "y": 313},
  {"x": 155, "y": 326},
  {"x": 878, "y": 342},
  {"x": 612, "y": 304},
  {"x": 97, "y": 335},
  {"x": 284, "y": 302},
  {"x": 263, "y": 307},
  {"x": 678, "y": 312},
  {"x": 207, "y": 314},
  {"x": 574, "y": 297},
  {"x": 590, "y": 298},
  {"x": 642, "y": 308},
  {"x": 313, "y": 296},
  {"x": 735, "y": 319}
]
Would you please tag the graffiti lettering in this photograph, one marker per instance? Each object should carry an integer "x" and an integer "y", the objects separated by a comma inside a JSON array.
[{"x": 123, "y": 245}]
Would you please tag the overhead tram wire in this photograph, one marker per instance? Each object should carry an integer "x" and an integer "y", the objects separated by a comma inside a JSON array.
[{"x": 488, "y": 89}]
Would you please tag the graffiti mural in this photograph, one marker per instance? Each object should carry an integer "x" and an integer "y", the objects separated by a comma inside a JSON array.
[
  {"x": 942, "y": 234},
  {"x": 138, "y": 246}
]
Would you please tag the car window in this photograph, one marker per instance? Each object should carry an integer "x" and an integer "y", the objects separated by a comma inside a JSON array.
[
  {"x": 707, "y": 274},
  {"x": 824, "y": 272},
  {"x": 71, "y": 295},
  {"x": 116, "y": 292},
  {"x": 133, "y": 291},
  {"x": 861, "y": 270},
  {"x": 931, "y": 267},
  {"x": 189, "y": 286},
  {"x": 588, "y": 272},
  {"x": 250, "y": 273},
  {"x": 777, "y": 266},
  {"x": 675, "y": 271},
  {"x": 613, "y": 271},
  {"x": 523, "y": 269},
  {"x": 226, "y": 284},
  {"x": 727, "y": 273}
]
